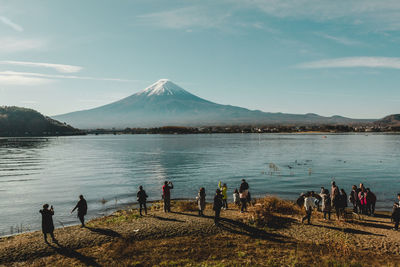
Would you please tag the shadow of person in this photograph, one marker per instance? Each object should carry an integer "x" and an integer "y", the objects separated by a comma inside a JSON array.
[
  {"x": 102, "y": 231},
  {"x": 240, "y": 228},
  {"x": 71, "y": 253},
  {"x": 193, "y": 215},
  {"x": 167, "y": 219},
  {"x": 347, "y": 230}
]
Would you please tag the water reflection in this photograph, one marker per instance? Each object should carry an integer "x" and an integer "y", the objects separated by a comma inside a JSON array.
[{"x": 34, "y": 171}]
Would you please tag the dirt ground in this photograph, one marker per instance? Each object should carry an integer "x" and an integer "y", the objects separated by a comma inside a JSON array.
[{"x": 182, "y": 238}]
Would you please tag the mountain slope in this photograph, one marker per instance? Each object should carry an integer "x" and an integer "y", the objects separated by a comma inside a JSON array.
[
  {"x": 391, "y": 120},
  {"x": 16, "y": 121},
  {"x": 165, "y": 103}
]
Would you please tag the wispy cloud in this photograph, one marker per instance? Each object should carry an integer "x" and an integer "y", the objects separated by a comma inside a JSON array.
[
  {"x": 353, "y": 62},
  {"x": 185, "y": 18},
  {"x": 340, "y": 40},
  {"x": 9, "y": 23},
  {"x": 11, "y": 44},
  {"x": 376, "y": 15},
  {"x": 50, "y": 76},
  {"x": 22, "y": 80},
  {"x": 58, "y": 67}
]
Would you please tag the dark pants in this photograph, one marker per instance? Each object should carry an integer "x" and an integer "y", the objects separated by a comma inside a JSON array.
[
  {"x": 225, "y": 203},
  {"x": 396, "y": 222},
  {"x": 338, "y": 210},
  {"x": 363, "y": 209},
  {"x": 244, "y": 204},
  {"x": 82, "y": 218},
  {"x": 167, "y": 204},
  {"x": 308, "y": 216},
  {"x": 371, "y": 208},
  {"x": 354, "y": 207},
  {"x": 51, "y": 234},
  {"x": 216, "y": 217},
  {"x": 142, "y": 205},
  {"x": 329, "y": 214}
]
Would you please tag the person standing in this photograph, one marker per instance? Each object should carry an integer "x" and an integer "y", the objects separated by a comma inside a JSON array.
[
  {"x": 396, "y": 213},
  {"x": 236, "y": 198},
  {"x": 244, "y": 188},
  {"x": 371, "y": 201},
  {"x": 326, "y": 203},
  {"x": 243, "y": 200},
  {"x": 224, "y": 192},
  {"x": 82, "y": 209},
  {"x": 335, "y": 198},
  {"x": 167, "y": 195},
  {"x": 309, "y": 204},
  {"x": 217, "y": 206},
  {"x": 201, "y": 200},
  {"x": 362, "y": 196},
  {"x": 343, "y": 204},
  {"x": 142, "y": 198},
  {"x": 244, "y": 185},
  {"x": 47, "y": 222},
  {"x": 354, "y": 198}
]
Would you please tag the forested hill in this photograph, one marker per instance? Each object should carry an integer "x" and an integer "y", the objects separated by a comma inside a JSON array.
[{"x": 17, "y": 121}]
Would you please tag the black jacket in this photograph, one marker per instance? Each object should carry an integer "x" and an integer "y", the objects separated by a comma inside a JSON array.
[
  {"x": 81, "y": 206},
  {"x": 142, "y": 196},
  {"x": 47, "y": 221},
  {"x": 217, "y": 202}
]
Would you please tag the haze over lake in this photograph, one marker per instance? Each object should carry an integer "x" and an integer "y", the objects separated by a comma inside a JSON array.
[{"x": 111, "y": 167}]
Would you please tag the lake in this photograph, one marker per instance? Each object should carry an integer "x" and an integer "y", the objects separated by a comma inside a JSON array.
[{"x": 107, "y": 169}]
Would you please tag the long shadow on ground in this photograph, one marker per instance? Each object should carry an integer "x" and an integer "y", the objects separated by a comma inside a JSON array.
[
  {"x": 166, "y": 219},
  {"x": 347, "y": 230},
  {"x": 375, "y": 225},
  {"x": 70, "y": 253},
  {"x": 240, "y": 228},
  {"x": 102, "y": 231}
]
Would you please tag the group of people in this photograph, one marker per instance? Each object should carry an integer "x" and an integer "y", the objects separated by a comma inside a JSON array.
[
  {"x": 240, "y": 198},
  {"x": 362, "y": 199}
]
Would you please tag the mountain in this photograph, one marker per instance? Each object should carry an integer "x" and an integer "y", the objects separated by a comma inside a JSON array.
[
  {"x": 165, "y": 103},
  {"x": 391, "y": 120},
  {"x": 16, "y": 121}
]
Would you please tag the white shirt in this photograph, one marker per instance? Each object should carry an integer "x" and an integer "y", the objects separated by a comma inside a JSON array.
[{"x": 309, "y": 203}]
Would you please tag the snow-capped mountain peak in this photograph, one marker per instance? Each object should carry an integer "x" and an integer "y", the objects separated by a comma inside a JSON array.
[{"x": 163, "y": 87}]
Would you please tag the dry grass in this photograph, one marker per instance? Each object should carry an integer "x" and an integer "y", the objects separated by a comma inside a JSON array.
[
  {"x": 238, "y": 245},
  {"x": 186, "y": 206},
  {"x": 177, "y": 205},
  {"x": 217, "y": 250},
  {"x": 267, "y": 211}
]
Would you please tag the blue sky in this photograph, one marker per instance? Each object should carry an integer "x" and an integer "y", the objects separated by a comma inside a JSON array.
[{"x": 296, "y": 56}]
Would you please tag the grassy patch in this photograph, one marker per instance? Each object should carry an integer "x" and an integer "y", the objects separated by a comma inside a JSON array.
[{"x": 267, "y": 211}]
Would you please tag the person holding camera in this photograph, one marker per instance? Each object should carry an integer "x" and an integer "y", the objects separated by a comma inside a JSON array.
[
  {"x": 47, "y": 222},
  {"x": 167, "y": 195}
]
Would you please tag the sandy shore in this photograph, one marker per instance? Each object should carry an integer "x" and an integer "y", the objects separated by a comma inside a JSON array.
[{"x": 126, "y": 239}]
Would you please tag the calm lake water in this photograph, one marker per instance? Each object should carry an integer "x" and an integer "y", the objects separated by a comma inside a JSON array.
[{"x": 56, "y": 170}]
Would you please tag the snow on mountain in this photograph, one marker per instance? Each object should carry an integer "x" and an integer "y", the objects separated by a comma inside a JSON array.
[{"x": 163, "y": 87}]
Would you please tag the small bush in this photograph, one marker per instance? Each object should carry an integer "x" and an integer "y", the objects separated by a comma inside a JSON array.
[{"x": 267, "y": 211}]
